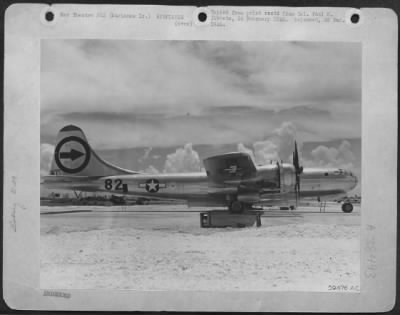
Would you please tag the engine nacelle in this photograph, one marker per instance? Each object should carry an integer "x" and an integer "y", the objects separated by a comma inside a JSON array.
[
  {"x": 275, "y": 178},
  {"x": 288, "y": 177}
]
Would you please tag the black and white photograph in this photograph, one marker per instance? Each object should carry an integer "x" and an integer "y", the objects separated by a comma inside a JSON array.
[{"x": 200, "y": 165}]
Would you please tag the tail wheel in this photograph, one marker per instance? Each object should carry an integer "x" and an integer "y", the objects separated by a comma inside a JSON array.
[
  {"x": 347, "y": 207},
  {"x": 236, "y": 207}
]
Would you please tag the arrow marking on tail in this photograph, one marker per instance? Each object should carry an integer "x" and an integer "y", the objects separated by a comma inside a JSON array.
[
  {"x": 62, "y": 158},
  {"x": 73, "y": 155}
]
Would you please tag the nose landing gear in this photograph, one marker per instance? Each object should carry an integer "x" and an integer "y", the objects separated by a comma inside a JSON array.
[{"x": 236, "y": 206}]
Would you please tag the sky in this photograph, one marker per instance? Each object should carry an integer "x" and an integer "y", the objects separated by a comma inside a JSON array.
[{"x": 163, "y": 106}]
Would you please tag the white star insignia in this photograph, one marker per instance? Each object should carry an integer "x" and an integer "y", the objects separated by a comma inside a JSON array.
[{"x": 152, "y": 186}]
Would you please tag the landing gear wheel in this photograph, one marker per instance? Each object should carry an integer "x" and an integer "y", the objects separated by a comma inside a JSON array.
[
  {"x": 347, "y": 207},
  {"x": 236, "y": 207}
]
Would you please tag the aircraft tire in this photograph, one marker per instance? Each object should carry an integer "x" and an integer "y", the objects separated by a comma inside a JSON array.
[
  {"x": 236, "y": 207},
  {"x": 347, "y": 207}
]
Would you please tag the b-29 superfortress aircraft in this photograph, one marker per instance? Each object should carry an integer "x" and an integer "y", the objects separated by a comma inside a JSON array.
[{"x": 231, "y": 180}]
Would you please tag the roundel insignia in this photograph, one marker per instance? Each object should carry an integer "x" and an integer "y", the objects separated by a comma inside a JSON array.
[
  {"x": 72, "y": 154},
  {"x": 152, "y": 185}
]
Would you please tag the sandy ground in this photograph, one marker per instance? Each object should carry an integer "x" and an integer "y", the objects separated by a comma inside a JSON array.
[{"x": 301, "y": 250}]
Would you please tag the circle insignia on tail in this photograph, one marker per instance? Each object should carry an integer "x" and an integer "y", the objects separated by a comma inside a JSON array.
[{"x": 68, "y": 155}]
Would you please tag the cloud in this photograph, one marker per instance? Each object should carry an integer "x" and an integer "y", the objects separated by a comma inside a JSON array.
[
  {"x": 340, "y": 157},
  {"x": 278, "y": 146},
  {"x": 146, "y": 154},
  {"x": 183, "y": 160},
  {"x": 304, "y": 110},
  {"x": 241, "y": 91},
  {"x": 284, "y": 138},
  {"x": 46, "y": 156},
  {"x": 242, "y": 148},
  {"x": 150, "y": 170},
  {"x": 265, "y": 151}
]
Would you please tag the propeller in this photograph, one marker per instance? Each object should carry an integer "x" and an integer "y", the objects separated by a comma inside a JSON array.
[{"x": 298, "y": 170}]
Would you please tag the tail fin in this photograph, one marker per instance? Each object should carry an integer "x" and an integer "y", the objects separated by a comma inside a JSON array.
[{"x": 74, "y": 156}]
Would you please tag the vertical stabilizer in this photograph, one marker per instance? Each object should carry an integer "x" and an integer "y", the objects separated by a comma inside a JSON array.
[{"x": 74, "y": 156}]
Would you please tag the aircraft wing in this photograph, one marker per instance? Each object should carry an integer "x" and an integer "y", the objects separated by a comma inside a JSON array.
[{"x": 230, "y": 167}]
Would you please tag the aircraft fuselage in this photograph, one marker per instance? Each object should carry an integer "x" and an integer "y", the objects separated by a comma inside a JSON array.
[{"x": 273, "y": 184}]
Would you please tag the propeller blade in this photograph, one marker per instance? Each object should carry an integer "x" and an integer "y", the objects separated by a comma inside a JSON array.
[
  {"x": 298, "y": 171},
  {"x": 296, "y": 157},
  {"x": 298, "y": 183}
]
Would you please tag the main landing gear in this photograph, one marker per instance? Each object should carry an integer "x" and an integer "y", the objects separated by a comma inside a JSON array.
[
  {"x": 236, "y": 206},
  {"x": 347, "y": 207}
]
